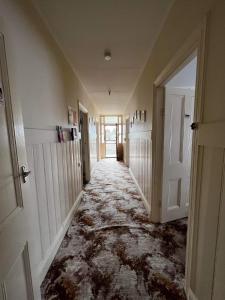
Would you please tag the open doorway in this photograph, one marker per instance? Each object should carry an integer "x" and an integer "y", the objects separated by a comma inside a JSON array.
[
  {"x": 84, "y": 144},
  {"x": 111, "y": 136},
  {"x": 110, "y": 140},
  {"x": 193, "y": 46},
  {"x": 173, "y": 115},
  {"x": 175, "y": 111},
  {"x": 179, "y": 100},
  {"x": 127, "y": 142}
]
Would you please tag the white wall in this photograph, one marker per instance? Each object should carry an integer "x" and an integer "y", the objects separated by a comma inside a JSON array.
[
  {"x": 39, "y": 74},
  {"x": 186, "y": 77},
  {"x": 44, "y": 83},
  {"x": 185, "y": 16}
]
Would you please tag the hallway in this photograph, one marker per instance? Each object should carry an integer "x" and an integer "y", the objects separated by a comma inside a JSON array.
[
  {"x": 89, "y": 89},
  {"x": 112, "y": 251}
]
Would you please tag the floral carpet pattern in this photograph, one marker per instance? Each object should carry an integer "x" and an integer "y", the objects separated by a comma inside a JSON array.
[{"x": 111, "y": 249}]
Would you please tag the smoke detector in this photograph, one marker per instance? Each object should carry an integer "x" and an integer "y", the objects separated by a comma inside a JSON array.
[{"x": 107, "y": 55}]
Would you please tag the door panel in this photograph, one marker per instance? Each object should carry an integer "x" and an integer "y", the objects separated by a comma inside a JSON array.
[
  {"x": 15, "y": 225},
  {"x": 7, "y": 186},
  {"x": 11, "y": 193},
  {"x": 177, "y": 153},
  {"x": 16, "y": 284},
  {"x": 174, "y": 112},
  {"x": 212, "y": 168},
  {"x": 206, "y": 271},
  {"x": 174, "y": 193},
  {"x": 219, "y": 286}
]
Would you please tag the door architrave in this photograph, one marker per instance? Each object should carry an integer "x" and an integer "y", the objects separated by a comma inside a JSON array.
[{"x": 194, "y": 45}]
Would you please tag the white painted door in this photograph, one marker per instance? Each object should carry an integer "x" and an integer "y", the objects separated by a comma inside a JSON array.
[
  {"x": 15, "y": 275},
  {"x": 205, "y": 270},
  {"x": 179, "y": 106}
]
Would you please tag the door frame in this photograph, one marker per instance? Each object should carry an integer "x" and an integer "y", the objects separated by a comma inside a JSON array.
[
  {"x": 116, "y": 141},
  {"x": 194, "y": 45},
  {"x": 87, "y": 144},
  {"x": 127, "y": 141}
]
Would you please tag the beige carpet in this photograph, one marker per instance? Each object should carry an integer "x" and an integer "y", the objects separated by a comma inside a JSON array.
[{"x": 112, "y": 251}]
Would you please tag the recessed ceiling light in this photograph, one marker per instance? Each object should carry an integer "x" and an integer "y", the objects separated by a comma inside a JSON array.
[{"x": 107, "y": 55}]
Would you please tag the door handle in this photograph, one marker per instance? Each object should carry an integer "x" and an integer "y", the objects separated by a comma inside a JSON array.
[
  {"x": 24, "y": 173},
  {"x": 194, "y": 126}
]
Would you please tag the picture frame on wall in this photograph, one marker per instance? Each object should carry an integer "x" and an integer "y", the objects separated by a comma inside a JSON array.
[
  {"x": 143, "y": 116},
  {"x": 72, "y": 116}
]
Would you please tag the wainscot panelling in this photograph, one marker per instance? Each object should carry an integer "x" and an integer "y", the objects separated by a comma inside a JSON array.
[
  {"x": 140, "y": 163},
  {"x": 55, "y": 190}
]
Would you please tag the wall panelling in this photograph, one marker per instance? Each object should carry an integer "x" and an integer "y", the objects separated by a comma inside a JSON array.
[
  {"x": 55, "y": 190},
  {"x": 140, "y": 162}
]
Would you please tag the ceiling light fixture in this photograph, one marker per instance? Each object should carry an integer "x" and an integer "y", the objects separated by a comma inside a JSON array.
[
  {"x": 109, "y": 91},
  {"x": 107, "y": 55}
]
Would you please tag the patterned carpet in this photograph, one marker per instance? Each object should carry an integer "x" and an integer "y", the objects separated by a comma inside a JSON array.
[{"x": 112, "y": 251}]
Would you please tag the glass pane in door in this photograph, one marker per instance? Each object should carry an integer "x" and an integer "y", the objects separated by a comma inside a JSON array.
[
  {"x": 110, "y": 133},
  {"x": 111, "y": 119},
  {"x": 110, "y": 150},
  {"x": 110, "y": 140}
]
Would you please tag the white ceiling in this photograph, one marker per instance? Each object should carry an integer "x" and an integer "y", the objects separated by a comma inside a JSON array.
[{"x": 85, "y": 28}]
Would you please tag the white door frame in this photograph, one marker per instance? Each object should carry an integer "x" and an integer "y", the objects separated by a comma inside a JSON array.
[{"x": 195, "y": 44}]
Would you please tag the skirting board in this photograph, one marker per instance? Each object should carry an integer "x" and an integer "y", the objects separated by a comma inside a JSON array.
[
  {"x": 55, "y": 246},
  {"x": 191, "y": 295},
  {"x": 141, "y": 193}
]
